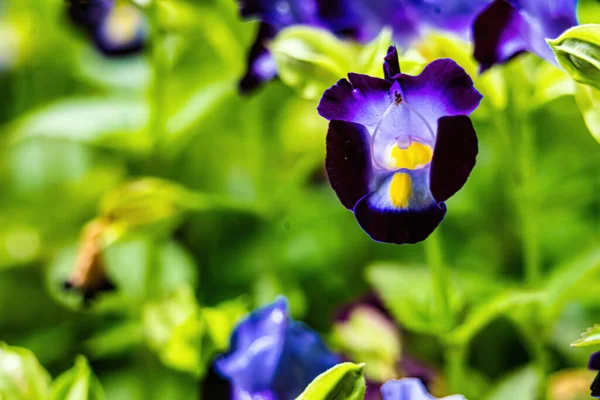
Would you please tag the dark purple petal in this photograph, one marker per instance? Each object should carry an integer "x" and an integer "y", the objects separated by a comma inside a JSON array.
[
  {"x": 360, "y": 98},
  {"x": 508, "y": 27},
  {"x": 89, "y": 13},
  {"x": 442, "y": 89},
  {"x": 498, "y": 34},
  {"x": 281, "y": 13},
  {"x": 256, "y": 348},
  {"x": 123, "y": 31},
  {"x": 595, "y": 387},
  {"x": 384, "y": 220},
  {"x": 391, "y": 66},
  {"x": 304, "y": 358},
  {"x": 454, "y": 156},
  {"x": 451, "y": 15},
  {"x": 398, "y": 226},
  {"x": 340, "y": 18},
  {"x": 348, "y": 161},
  {"x": 261, "y": 65},
  {"x": 594, "y": 362}
]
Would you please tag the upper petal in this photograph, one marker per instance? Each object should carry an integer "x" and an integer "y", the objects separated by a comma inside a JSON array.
[
  {"x": 454, "y": 156},
  {"x": 401, "y": 210},
  {"x": 256, "y": 348},
  {"x": 360, "y": 98},
  {"x": 509, "y": 27},
  {"x": 451, "y": 15},
  {"x": 498, "y": 34},
  {"x": 391, "y": 66},
  {"x": 348, "y": 161},
  {"x": 442, "y": 89}
]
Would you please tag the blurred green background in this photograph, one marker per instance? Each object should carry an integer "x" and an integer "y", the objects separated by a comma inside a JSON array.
[{"x": 243, "y": 210}]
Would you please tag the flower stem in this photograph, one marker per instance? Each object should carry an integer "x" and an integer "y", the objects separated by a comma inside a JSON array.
[
  {"x": 528, "y": 207},
  {"x": 440, "y": 280}
]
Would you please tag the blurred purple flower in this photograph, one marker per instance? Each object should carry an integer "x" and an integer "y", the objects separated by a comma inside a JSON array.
[
  {"x": 594, "y": 365},
  {"x": 398, "y": 148},
  {"x": 355, "y": 19},
  {"x": 409, "y": 389},
  {"x": 509, "y": 27},
  {"x": 117, "y": 28},
  {"x": 366, "y": 332},
  {"x": 273, "y": 357}
]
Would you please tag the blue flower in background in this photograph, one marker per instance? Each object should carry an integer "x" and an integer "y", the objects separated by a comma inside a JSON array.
[
  {"x": 509, "y": 27},
  {"x": 409, "y": 389},
  {"x": 273, "y": 357},
  {"x": 398, "y": 148},
  {"x": 359, "y": 20},
  {"x": 116, "y": 27}
]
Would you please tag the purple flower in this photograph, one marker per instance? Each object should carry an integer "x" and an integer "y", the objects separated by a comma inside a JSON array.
[
  {"x": 355, "y": 19},
  {"x": 409, "y": 19},
  {"x": 594, "y": 365},
  {"x": 273, "y": 357},
  {"x": 509, "y": 27},
  {"x": 409, "y": 389},
  {"x": 116, "y": 28},
  {"x": 398, "y": 148}
]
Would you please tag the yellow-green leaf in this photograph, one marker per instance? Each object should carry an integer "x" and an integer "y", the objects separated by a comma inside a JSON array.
[{"x": 344, "y": 381}]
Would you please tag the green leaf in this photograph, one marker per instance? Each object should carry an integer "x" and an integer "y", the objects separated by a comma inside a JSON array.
[
  {"x": 407, "y": 292},
  {"x": 522, "y": 384},
  {"x": 78, "y": 383},
  {"x": 564, "y": 282},
  {"x": 590, "y": 337},
  {"x": 588, "y": 100},
  {"x": 310, "y": 60},
  {"x": 222, "y": 319},
  {"x": 110, "y": 122},
  {"x": 504, "y": 304},
  {"x": 21, "y": 375},
  {"x": 344, "y": 381},
  {"x": 174, "y": 330},
  {"x": 578, "y": 52}
]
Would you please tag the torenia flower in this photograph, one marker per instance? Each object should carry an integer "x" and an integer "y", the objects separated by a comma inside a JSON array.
[
  {"x": 273, "y": 357},
  {"x": 509, "y": 27},
  {"x": 398, "y": 148},
  {"x": 117, "y": 27},
  {"x": 409, "y": 389}
]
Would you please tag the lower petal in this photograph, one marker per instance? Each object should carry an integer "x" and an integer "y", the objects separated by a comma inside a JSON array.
[
  {"x": 402, "y": 210},
  {"x": 348, "y": 161},
  {"x": 453, "y": 156}
]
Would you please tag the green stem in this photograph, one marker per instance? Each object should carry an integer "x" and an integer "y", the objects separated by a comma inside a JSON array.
[
  {"x": 440, "y": 280},
  {"x": 527, "y": 205},
  {"x": 160, "y": 72},
  {"x": 455, "y": 367}
]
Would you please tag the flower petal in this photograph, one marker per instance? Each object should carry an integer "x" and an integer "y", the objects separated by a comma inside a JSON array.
[
  {"x": 498, "y": 34},
  {"x": 409, "y": 389},
  {"x": 402, "y": 210},
  {"x": 261, "y": 65},
  {"x": 348, "y": 161},
  {"x": 239, "y": 394},
  {"x": 594, "y": 362},
  {"x": 451, "y": 15},
  {"x": 256, "y": 347},
  {"x": 360, "y": 98},
  {"x": 508, "y": 27},
  {"x": 281, "y": 13},
  {"x": 123, "y": 31},
  {"x": 305, "y": 357},
  {"x": 443, "y": 88},
  {"x": 454, "y": 156},
  {"x": 391, "y": 66}
]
